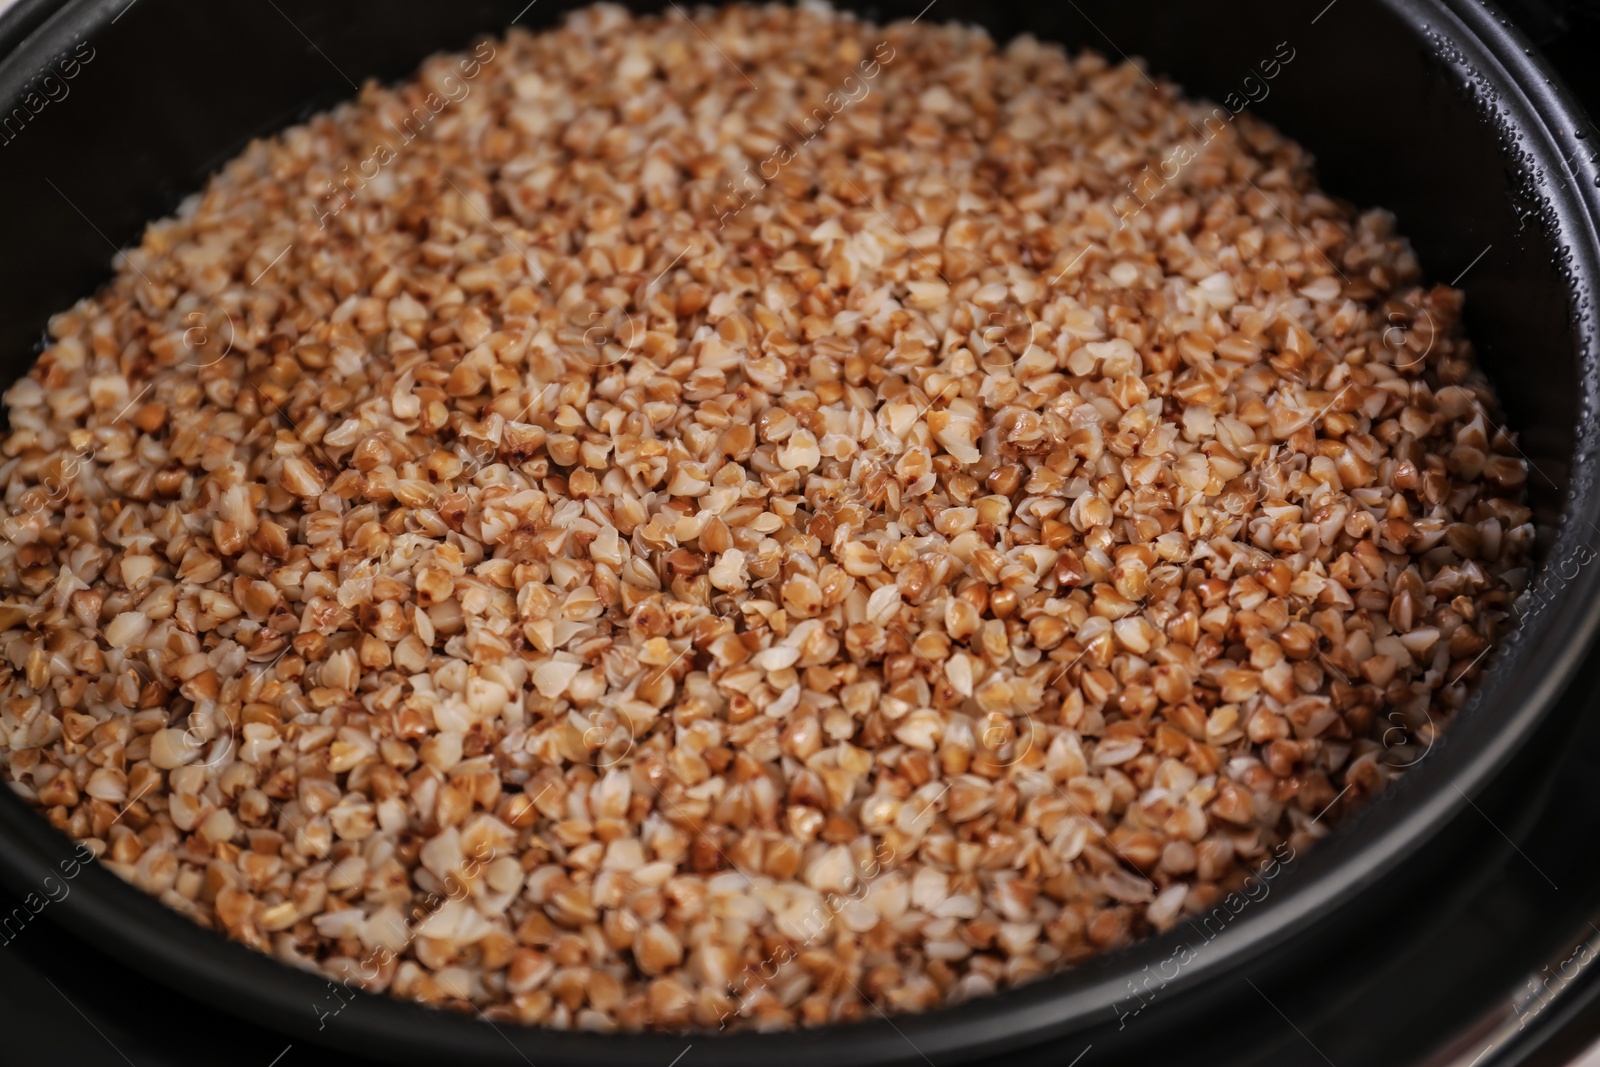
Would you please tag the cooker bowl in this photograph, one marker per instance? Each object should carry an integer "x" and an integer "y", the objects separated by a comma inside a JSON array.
[{"x": 1435, "y": 109}]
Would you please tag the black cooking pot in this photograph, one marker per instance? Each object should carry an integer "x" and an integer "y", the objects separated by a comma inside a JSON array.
[{"x": 112, "y": 111}]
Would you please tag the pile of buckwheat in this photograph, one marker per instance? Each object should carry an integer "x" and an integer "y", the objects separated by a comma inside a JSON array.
[{"x": 742, "y": 522}]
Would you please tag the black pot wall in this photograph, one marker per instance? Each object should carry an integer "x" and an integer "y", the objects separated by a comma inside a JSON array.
[{"x": 1432, "y": 109}]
